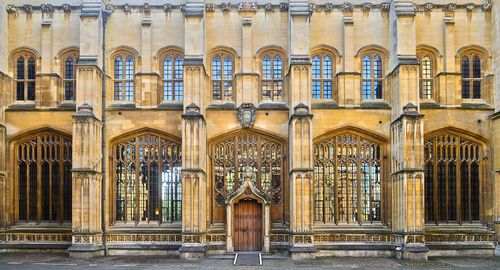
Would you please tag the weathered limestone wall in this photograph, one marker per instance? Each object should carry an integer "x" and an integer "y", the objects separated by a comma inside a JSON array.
[{"x": 495, "y": 119}]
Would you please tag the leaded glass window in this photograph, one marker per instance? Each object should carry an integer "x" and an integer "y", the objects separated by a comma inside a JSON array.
[
  {"x": 173, "y": 77},
  {"x": 322, "y": 76},
  {"x": 372, "y": 77},
  {"x": 70, "y": 77},
  {"x": 347, "y": 179},
  {"x": 25, "y": 77},
  {"x": 272, "y": 77},
  {"x": 452, "y": 177},
  {"x": 222, "y": 77},
  {"x": 472, "y": 76},
  {"x": 124, "y": 78},
  {"x": 43, "y": 173},
  {"x": 147, "y": 178},
  {"x": 426, "y": 75}
]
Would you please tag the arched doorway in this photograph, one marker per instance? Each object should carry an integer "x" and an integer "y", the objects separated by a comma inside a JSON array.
[{"x": 247, "y": 225}]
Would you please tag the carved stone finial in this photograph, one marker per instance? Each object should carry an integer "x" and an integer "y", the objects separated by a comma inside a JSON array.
[
  {"x": 328, "y": 7},
  {"x": 283, "y": 6},
  {"x": 126, "y": 8},
  {"x": 47, "y": 8},
  {"x": 167, "y": 7},
  {"x": 247, "y": 6},
  {"x": 28, "y": 8},
  {"x": 210, "y": 7},
  {"x": 367, "y": 6},
  {"x": 385, "y": 6},
  {"x": 487, "y": 7},
  {"x": 428, "y": 6},
  {"x": 450, "y": 7},
  {"x": 268, "y": 7},
  {"x": 11, "y": 9},
  {"x": 66, "y": 8},
  {"x": 470, "y": 6},
  {"x": 147, "y": 8},
  {"x": 225, "y": 6},
  {"x": 346, "y": 7}
]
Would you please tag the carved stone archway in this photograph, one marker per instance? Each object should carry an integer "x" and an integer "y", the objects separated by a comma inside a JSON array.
[{"x": 248, "y": 189}]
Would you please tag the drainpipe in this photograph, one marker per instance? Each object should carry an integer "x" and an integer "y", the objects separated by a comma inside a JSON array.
[{"x": 105, "y": 14}]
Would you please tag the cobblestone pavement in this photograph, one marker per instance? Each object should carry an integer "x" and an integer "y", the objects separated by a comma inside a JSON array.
[{"x": 51, "y": 261}]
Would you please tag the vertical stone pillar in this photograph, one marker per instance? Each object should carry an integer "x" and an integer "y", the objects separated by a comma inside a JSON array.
[
  {"x": 194, "y": 195},
  {"x": 407, "y": 145},
  {"x": 46, "y": 80},
  {"x": 448, "y": 79},
  {"x": 3, "y": 131},
  {"x": 348, "y": 77},
  {"x": 249, "y": 80},
  {"x": 3, "y": 174},
  {"x": 147, "y": 80},
  {"x": 299, "y": 133},
  {"x": 87, "y": 131}
]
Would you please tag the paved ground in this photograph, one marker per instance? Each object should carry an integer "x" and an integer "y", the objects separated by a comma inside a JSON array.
[{"x": 47, "y": 261}]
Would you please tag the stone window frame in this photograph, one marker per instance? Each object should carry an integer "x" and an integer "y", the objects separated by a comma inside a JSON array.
[
  {"x": 223, "y": 52},
  {"x": 372, "y": 51},
  {"x": 431, "y": 53},
  {"x": 124, "y": 52},
  {"x": 471, "y": 52},
  {"x": 372, "y": 138},
  {"x": 45, "y": 137},
  {"x": 26, "y": 53},
  {"x": 334, "y": 55},
  {"x": 63, "y": 56},
  {"x": 173, "y": 52},
  {"x": 272, "y": 52},
  {"x": 466, "y": 140}
]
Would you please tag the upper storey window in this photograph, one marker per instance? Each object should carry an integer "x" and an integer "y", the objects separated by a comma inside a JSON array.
[
  {"x": 25, "y": 77},
  {"x": 472, "y": 76},
  {"x": 372, "y": 76},
  {"x": 322, "y": 76},
  {"x": 272, "y": 77},
  {"x": 70, "y": 77},
  {"x": 426, "y": 76},
  {"x": 173, "y": 84},
  {"x": 124, "y": 77},
  {"x": 222, "y": 77}
]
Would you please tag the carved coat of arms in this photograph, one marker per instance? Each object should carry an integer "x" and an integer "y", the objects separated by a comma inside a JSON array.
[{"x": 246, "y": 115}]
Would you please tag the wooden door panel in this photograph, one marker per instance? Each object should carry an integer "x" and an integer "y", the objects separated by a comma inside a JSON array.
[{"x": 247, "y": 226}]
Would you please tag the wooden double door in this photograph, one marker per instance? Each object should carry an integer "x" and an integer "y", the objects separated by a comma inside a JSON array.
[{"x": 247, "y": 226}]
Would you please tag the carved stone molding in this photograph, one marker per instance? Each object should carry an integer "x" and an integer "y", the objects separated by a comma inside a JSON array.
[
  {"x": 328, "y": 7},
  {"x": 385, "y": 6},
  {"x": 470, "y": 6},
  {"x": 428, "y": 7},
  {"x": 167, "y": 7},
  {"x": 268, "y": 7},
  {"x": 37, "y": 237},
  {"x": 147, "y": 8},
  {"x": 210, "y": 7},
  {"x": 247, "y": 6},
  {"x": 126, "y": 8},
  {"x": 28, "y": 8},
  {"x": 487, "y": 7},
  {"x": 161, "y": 238},
  {"x": 66, "y": 8},
  {"x": 347, "y": 7},
  {"x": 450, "y": 7},
  {"x": 367, "y": 6},
  {"x": 11, "y": 9},
  {"x": 47, "y": 8},
  {"x": 283, "y": 6},
  {"x": 225, "y": 6}
]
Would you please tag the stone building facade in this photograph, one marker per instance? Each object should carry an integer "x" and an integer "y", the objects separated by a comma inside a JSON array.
[{"x": 311, "y": 128}]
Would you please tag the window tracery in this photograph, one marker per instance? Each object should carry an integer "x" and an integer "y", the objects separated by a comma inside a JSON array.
[
  {"x": 222, "y": 77},
  {"x": 372, "y": 78},
  {"x": 123, "y": 66},
  {"x": 323, "y": 70},
  {"x": 173, "y": 76},
  {"x": 427, "y": 72},
  {"x": 272, "y": 77},
  {"x": 70, "y": 76},
  {"x": 25, "y": 76},
  {"x": 472, "y": 75}
]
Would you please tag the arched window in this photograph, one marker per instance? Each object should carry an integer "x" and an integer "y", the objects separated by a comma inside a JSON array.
[
  {"x": 70, "y": 77},
  {"x": 173, "y": 75},
  {"x": 347, "y": 179},
  {"x": 272, "y": 77},
  {"x": 322, "y": 76},
  {"x": 124, "y": 77},
  {"x": 222, "y": 77},
  {"x": 147, "y": 178},
  {"x": 472, "y": 75},
  {"x": 232, "y": 154},
  {"x": 43, "y": 173},
  {"x": 426, "y": 74},
  {"x": 25, "y": 77},
  {"x": 372, "y": 76},
  {"x": 452, "y": 176}
]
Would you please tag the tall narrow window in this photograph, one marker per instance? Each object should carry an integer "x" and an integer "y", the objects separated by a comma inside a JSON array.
[
  {"x": 222, "y": 78},
  {"x": 173, "y": 84},
  {"x": 147, "y": 174},
  {"x": 272, "y": 78},
  {"x": 25, "y": 77},
  {"x": 322, "y": 78},
  {"x": 472, "y": 76},
  {"x": 44, "y": 178},
  {"x": 372, "y": 76},
  {"x": 347, "y": 179},
  {"x": 69, "y": 78},
  {"x": 426, "y": 75},
  {"x": 452, "y": 179},
  {"x": 124, "y": 78}
]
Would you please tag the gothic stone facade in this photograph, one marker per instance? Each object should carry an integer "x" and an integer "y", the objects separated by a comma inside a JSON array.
[{"x": 312, "y": 128}]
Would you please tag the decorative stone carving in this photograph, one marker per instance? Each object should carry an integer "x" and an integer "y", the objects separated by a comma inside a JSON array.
[
  {"x": 268, "y": 7},
  {"x": 182, "y": 8},
  {"x": 28, "y": 8},
  {"x": 328, "y": 7},
  {"x": 167, "y": 7},
  {"x": 126, "y": 8},
  {"x": 47, "y": 8},
  {"x": 246, "y": 115},
  {"x": 385, "y": 6},
  {"x": 487, "y": 7},
  {"x": 311, "y": 7},
  {"x": 283, "y": 6},
  {"x": 11, "y": 9},
  {"x": 367, "y": 6},
  {"x": 248, "y": 6},
  {"x": 428, "y": 7},
  {"x": 147, "y": 8},
  {"x": 450, "y": 7},
  {"x": 225, "y": 6},
  {"x": 346, "y": 7},
  {"x": 470, "y": 6},
  {"x": 210, "y": 7},
  {"x": 66, "y": 8}
]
